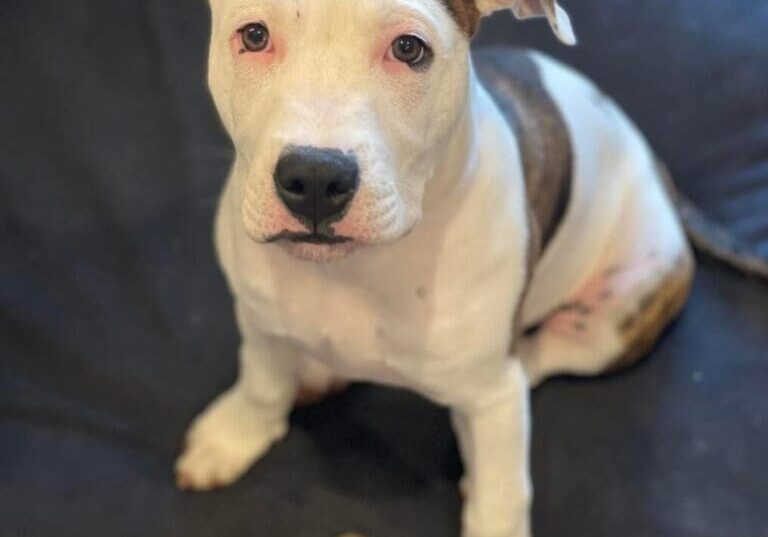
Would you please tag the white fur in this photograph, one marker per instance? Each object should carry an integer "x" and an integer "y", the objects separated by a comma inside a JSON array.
[{"x": 426, "y": 296}]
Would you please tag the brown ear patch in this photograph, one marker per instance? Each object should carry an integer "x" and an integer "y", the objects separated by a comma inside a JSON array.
[{"x": 465, "y": 13}]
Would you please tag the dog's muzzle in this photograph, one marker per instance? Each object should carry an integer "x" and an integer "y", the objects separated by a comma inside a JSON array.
[{"x": 316, "y": 185}]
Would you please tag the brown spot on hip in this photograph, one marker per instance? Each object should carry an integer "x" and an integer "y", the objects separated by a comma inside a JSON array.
[{"x": 641, "y": 329}]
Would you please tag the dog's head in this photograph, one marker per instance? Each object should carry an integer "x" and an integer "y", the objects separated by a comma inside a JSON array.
[{"x": 340, "y": 110}]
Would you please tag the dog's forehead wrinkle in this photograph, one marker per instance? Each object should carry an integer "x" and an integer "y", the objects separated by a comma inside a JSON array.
[
  {"x": 233, "y": 11},
  {"x": 334, "y": 10}
]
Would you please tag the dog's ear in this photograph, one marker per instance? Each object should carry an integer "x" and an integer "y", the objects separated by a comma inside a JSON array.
[{"x": 523, "y": 9}]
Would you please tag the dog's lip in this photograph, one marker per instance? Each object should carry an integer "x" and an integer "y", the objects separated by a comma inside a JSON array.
[{"x": 308, "y": 238}]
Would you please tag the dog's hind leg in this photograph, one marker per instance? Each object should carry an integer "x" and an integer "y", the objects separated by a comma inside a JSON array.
[
  {"x": 639, "y": 286},
  {"x": 612, "y": 323},
  {"x": 316, "y": 382}
]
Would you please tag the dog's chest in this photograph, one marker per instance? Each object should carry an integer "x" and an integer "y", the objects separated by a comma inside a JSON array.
[
  {"x": 404, "y": 325},
  {"x": 355, "y": 331}
]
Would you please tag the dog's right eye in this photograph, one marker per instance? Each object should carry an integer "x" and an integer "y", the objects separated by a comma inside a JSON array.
[
  {"x": 254, "y": 37},
  {"x": 410, "y": 50}
]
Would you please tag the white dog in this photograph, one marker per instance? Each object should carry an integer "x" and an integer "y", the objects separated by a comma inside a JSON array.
[{"x": 400, "y": 212}]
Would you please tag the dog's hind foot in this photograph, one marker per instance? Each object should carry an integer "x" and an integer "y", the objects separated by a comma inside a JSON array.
[
  {"x": 612, "y": 323},
  {"x": 310, "y": 395},
  {"x": 317, "y": 382}
]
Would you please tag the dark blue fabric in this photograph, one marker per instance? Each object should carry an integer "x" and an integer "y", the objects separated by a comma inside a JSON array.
[{"x": 116, "y": 326}]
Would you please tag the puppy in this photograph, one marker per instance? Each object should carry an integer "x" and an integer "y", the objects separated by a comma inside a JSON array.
[{"x": 400, "y": 211}]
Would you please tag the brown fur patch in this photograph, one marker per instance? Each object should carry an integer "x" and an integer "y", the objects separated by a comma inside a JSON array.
[
  {"x": 465, "y": 13},
  {"x": 514, "y": 81},
  {"x": 642, "y": 329}
]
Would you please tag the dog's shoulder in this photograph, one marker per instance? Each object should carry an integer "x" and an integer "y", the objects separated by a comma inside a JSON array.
[{"x": 514, "y": 80}]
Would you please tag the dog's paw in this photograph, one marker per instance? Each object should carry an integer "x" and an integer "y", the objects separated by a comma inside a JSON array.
[{"x": 224, "y": 441}]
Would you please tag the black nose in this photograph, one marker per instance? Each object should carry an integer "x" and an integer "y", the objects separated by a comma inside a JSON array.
[{"x": 316, "y": 185}]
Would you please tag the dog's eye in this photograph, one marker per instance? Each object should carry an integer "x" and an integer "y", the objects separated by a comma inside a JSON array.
[
  {"x": 255, "y": 37},
  {"x": 411, "y": 50}
]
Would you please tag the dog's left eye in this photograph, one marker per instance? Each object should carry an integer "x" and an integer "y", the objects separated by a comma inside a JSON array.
[{"x": 411, "y": 50}]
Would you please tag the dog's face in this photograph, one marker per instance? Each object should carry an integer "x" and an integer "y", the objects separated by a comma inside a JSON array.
[{"x": 339, "y": 111}]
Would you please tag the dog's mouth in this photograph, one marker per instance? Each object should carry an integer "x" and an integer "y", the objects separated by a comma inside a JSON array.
[
  {"x": 308, "y": 238},
  {"x": 316, "y": 247}
]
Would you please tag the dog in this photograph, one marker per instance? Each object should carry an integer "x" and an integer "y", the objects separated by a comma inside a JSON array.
[{"x": 403, "y": 212}]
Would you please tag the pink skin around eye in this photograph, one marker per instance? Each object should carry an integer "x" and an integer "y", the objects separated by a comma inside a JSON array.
[
  {"x": 263, "y": 57},
  {"x": 384, "y": 54}
]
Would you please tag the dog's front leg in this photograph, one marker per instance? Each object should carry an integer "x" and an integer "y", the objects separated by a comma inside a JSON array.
[
  {"x": 240, "y": 425},
  {"x": 493, "y": 433}
]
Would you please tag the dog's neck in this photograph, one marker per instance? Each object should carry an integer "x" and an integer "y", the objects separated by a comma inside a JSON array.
[{"x": 457, "y": 160}]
